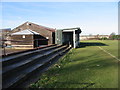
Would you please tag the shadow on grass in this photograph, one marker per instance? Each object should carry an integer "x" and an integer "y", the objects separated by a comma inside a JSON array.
[
  {"x": 88, "y": 69},
  {"x": 84, "y": 44},
  {"x": 85, "y": 85},
  {"x": 74, "y": 74}
]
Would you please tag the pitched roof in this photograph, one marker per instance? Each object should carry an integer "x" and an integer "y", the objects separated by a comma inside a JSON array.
[
  {"x": 35, "y": 25},
  {"x": 44, "y": 27},
  {"x": 77, "y": 29},
  {"x": 25, "y": 32}
]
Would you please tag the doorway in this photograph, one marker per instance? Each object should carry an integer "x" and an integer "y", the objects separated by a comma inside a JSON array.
[{"x": 68, "y": 38}]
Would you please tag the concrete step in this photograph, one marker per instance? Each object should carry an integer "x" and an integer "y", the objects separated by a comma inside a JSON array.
[
  {"x": 24, "y": 63},
  {"x": 34, "y": 77},
  {"x": 8, "y": 57},
  {"x": 29, "y": 50},
  {"x": 15, "y": 59},
  {"x": 20, "y": 74}
]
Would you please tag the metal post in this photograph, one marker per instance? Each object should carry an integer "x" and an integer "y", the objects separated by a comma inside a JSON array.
[
  {"x": 74, "y": 39},
  {"x": 4, "y": 50}
]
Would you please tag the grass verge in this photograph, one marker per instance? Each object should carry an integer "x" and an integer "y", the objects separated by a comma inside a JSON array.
[{"x": 86, "y": 67}]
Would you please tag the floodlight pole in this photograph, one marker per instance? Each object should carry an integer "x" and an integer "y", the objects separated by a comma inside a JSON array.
[
  {"x": 4, "y": 53},
  {"x": 74, "y": 39},
  {"x": 4, "y": 50}
]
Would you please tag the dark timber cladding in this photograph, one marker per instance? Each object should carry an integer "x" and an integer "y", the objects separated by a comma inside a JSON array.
[{"x": 32, "y": 35}]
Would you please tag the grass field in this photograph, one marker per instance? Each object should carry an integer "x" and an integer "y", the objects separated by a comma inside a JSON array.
[{"x": 85, "y": 67}]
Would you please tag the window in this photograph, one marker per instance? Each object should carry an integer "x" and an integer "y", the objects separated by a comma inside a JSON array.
[
  {"x": 23, "y": 36},
  {"x": 47, "y": 37},
  {"x": 19, "y": 29}
]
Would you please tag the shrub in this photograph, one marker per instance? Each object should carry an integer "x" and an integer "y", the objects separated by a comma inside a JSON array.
[{"x": 104, "y": 38}]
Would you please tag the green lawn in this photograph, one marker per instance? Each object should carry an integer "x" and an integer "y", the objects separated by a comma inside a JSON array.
[{"x": 85, "y": 67}]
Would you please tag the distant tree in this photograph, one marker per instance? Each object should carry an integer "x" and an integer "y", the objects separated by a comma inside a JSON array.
[
  {"x": 113, "y": 33},
  {"x": 90, "y": 34},
  {"x": 97, "y": 36},
  {"x": 113, "y": 36},
  {"x": 103, "y": 38}
]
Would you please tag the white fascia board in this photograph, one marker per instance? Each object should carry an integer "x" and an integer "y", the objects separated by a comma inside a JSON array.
[
  {"x": 69, "y": 30},
  {"x": 25, "y": 32}
]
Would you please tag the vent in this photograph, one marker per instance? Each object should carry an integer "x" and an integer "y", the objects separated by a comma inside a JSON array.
[{"x": 19, "y": 29}]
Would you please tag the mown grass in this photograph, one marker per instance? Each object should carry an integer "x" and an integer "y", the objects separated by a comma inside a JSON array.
[
  {"x": 85, "y": 67},
  {"x": 112, "y": 45}
]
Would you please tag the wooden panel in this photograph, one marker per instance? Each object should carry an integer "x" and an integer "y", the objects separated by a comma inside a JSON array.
[
  {"x": 45, "y": 32},
  {"x": 58, "y": 37},
  {"x": 19, "y": 40}
]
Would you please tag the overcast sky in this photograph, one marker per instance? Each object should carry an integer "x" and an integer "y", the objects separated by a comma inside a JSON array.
[{"x": 91, "y": 17}]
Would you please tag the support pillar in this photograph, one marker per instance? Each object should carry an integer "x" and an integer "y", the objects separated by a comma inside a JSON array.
[{"x": 74, "y": 39}]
